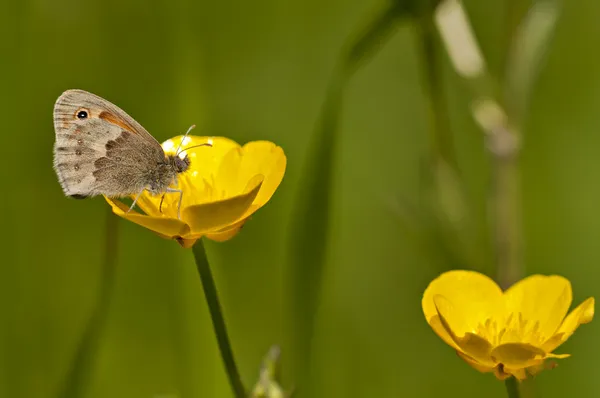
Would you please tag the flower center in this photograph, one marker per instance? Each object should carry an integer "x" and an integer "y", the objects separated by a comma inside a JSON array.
[{"x": 512, "y": 329}]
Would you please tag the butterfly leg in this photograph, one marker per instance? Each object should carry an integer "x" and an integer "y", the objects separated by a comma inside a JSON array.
[
  {"x": 135, "y": 200},
  {"x": 161, "y": 202},
  {"x": 173, "y": 190}
]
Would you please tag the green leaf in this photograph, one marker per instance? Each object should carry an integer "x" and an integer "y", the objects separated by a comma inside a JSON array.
[{"x": 311, "y": 218}]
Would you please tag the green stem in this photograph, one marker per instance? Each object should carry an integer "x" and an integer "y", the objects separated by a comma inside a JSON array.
[
  {"x": 442, "y": 144},
  {"x": 512, "y": 388},
  {"x": 308, "y": 248},
  {"x": 216, "y": 314}
]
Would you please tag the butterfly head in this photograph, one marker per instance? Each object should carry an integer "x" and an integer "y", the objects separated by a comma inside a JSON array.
[{"x": 179, "y": 164}]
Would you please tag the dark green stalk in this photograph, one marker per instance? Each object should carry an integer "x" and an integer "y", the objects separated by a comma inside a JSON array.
[
  {"x": 216, "y": 314},
  {"x": 311, "y": 214},
  {"x": 442, "y": 144},
  {"x": 82, "y": 366},
  {"x": 512, "y": 388}
]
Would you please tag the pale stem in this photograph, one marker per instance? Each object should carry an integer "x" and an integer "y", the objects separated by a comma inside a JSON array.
[{"x": 502, "y": 138}]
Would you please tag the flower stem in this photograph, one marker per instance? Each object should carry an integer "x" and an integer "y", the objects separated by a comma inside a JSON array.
[
  {"x": 512, "y": 388},
  {"x": 216, "y": 314}
]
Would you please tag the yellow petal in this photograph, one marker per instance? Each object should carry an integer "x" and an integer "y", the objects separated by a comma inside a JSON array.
[
  {"x": 268, "y": 159},
  {"x": 436, "y": 324},
  {"x": 239, "y": 165},
  {"x": 152, "y": 206},
  {"x": 558, "y": 356},
  {"x": 149, "y": 204},
  {"x": 477, "y": 348},
  {"x": 229, "y": 172},
  {"x": 453, "y": 319},
  {"x": 252, "y": 209},
  {"x": 475, "y": 294},
  {"x": 517, "y": 355},
  {"x": 540, "y": 298},
  {"x": 584, "y": 313},
  {"x": 164, "y": 226},
  {"x": 476, "y": 365},
  {"x": 214, "y": 216},
  {"x": 226, "y": 233},
  {"x": 471, "y": 344}
]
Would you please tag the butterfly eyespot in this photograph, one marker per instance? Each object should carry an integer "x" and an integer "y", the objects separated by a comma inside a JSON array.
[
  {"x": 76, "y": 167},
  {"x": 82, "y": 113}
]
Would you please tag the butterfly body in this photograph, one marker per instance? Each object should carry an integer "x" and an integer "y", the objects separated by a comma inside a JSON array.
[{"x": 101, "y": 150}]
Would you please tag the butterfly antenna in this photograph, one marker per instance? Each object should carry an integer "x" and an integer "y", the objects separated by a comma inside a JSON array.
[
  {"x": 193, "y": 126},
  {"x": 196, "y": 146}
]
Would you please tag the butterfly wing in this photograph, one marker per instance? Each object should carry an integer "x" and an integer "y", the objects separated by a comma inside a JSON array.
[{"x": 100, "y": 149}]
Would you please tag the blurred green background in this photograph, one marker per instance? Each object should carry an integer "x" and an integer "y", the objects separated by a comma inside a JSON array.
[{"x": 260, "y": 70}]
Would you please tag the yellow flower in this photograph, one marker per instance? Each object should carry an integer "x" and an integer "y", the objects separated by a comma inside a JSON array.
[
  {"x": 224, "y": 185},
  {"x": 508, "y": 333}
]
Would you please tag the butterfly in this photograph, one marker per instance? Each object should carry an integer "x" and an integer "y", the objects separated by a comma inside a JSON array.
[{"x": 101, "y": 150}]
